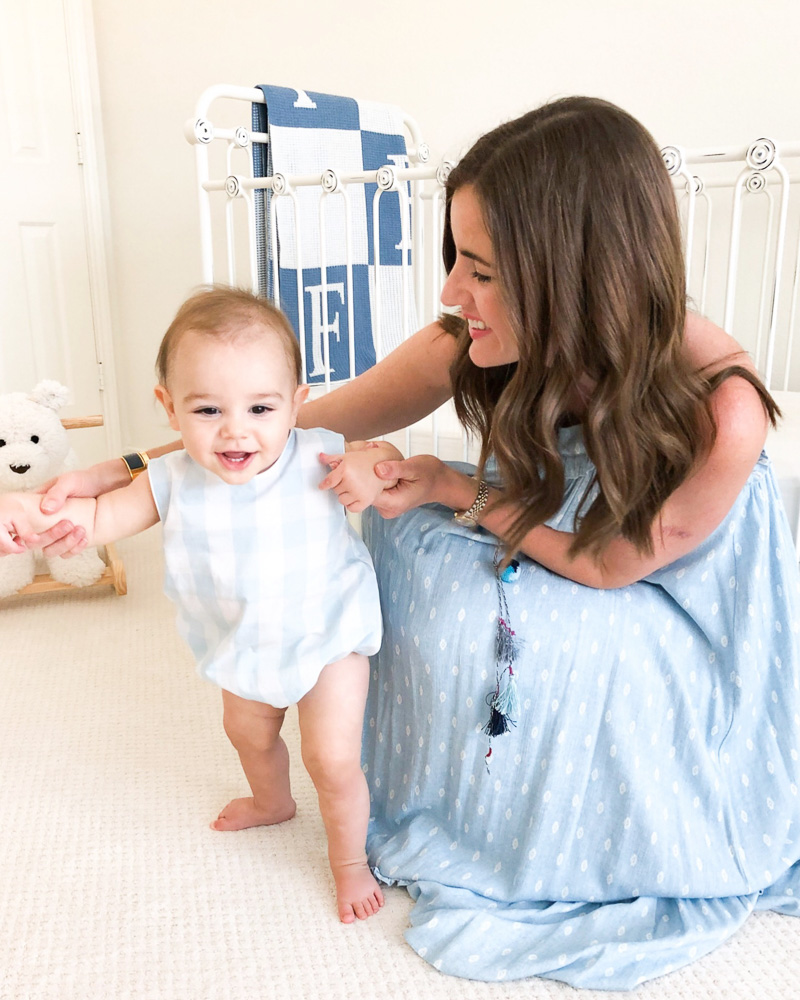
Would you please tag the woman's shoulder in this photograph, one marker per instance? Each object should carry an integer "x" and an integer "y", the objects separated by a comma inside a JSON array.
[
  {"x": 737, "y": 406},
  {"x": 711, "y": 349}
]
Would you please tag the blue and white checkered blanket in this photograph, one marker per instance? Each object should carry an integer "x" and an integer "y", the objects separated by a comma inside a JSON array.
[{"x": 308, "y": 134}]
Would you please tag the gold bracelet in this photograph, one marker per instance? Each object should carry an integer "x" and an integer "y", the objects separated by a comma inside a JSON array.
[
  {"x": 469, "y": 518},
  {"x": 136, "y": 462}
]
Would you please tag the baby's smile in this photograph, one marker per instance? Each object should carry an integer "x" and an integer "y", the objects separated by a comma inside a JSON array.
[{"x": 235, "y": 460}]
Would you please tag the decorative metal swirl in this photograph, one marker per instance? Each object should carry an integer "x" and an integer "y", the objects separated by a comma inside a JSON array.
[
  {"x": 330, "y": 181},
  {"x": 241, "y": 136},
  {"x": 443, "y": 172},
  {"x": 673, "y": 159},
  {"x": 203, "y": 130},
  {"x": 756, "y": 182},
  {"x": 762, "y": 154},
  {"x": 386, "y": 178},
  {"x": 232, "y": 186},
  {"x": 423, "y": 152},
  {"x": 279, "y": 184}
]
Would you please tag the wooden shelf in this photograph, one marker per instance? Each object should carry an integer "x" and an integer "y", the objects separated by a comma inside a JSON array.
[{"x": 113, "y": 576}]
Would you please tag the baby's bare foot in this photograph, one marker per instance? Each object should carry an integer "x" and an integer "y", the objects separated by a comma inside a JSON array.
[
  {"x": 358, "y": 895},
  {"x": 239, "y": 814}
]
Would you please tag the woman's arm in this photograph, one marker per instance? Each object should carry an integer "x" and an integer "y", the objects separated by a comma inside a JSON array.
[
  {"x": 406, "y": 386},
  {"x": 690, "y": 515}
]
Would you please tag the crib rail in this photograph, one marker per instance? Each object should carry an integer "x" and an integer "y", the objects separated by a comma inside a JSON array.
[
  {"x": 741, "y": 216},
  {"x": 740, "y": 210}
]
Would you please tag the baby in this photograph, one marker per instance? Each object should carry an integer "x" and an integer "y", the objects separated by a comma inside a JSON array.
[{"x": 276, "y": 594}]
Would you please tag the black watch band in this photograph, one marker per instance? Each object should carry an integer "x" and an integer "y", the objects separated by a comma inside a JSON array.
[{"x": 136, "y": 462}]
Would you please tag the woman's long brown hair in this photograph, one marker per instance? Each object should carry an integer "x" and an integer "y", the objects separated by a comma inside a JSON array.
[{"x": 587, "y": 249}]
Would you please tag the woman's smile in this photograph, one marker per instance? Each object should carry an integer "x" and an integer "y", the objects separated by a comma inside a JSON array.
[{"x": 477, "y": 328}]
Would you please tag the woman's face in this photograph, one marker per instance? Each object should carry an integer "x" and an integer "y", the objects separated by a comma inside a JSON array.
[{"x": 472, "y": 285}]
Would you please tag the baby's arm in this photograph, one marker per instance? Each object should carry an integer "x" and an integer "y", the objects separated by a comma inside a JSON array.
[
  {"x": 352, "y": 476},
  {"x": 109, "y": 517}
]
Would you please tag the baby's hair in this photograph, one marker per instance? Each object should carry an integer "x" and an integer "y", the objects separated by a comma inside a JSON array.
[{"x": 224, "y": 312}]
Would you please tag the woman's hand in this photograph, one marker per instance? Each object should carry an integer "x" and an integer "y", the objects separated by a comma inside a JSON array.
[
  {"x": 353, "y": 478},
  {"x": 419, "y": 480},
  {"x": 64, "y": 538}
]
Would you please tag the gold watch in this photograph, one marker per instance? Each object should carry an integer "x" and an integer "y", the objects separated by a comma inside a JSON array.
[
  {"x": 137, "y": 462},
  {"x": 469, "y": 518}
]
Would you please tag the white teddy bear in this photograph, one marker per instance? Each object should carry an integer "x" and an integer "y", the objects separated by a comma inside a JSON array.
[{"x": 34, "y": 447}]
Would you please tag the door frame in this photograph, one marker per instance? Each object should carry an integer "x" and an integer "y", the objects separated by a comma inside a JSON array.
[{"x": 85, "y": 88}]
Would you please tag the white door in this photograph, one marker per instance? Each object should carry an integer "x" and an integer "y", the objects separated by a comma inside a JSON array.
[{"x": 46, "y": 321}]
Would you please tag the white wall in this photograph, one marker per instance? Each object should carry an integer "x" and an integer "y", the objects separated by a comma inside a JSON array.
[{"x": 696, "y": 72}]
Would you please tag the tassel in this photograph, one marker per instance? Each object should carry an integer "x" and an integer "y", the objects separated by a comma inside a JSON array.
[
  {"x": 497, "y": 724},
  {"x": 507, "y": 702},
  {"x": 503, "y": 702},
  {"x": 503, "y": 707},
  {"x": 506, "y": 644}
]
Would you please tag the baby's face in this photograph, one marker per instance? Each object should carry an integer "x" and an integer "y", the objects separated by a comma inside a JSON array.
[{"x": 233, "y": 402}]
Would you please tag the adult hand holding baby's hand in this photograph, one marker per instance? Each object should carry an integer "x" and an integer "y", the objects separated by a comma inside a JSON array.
[
  {"x": 353, "y": 480},
  {"x": 64, "y": 539},
  {"x": 409, "y": 483},
  {"x": 353, "y": 477}
]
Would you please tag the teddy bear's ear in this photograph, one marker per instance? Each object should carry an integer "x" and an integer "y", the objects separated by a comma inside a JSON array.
[{"x": 51, "y": 394}]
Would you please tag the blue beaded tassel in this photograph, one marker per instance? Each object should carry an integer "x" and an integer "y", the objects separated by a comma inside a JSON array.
[{"x": 503, "y": 701}]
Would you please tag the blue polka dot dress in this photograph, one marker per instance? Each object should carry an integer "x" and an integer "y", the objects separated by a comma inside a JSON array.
[{"x": 646, "y": 800}]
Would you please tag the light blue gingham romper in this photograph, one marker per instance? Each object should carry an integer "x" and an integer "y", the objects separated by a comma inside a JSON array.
[{"x": 270, "y": 581}]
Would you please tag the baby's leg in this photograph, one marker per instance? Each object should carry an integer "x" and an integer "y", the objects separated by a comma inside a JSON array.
[
  {"x": 254, "y": 729},
  {"x": 331, "y": 716}
]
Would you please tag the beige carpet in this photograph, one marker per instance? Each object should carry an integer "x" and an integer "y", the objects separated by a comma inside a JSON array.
[{"x": 113, "y": 886}]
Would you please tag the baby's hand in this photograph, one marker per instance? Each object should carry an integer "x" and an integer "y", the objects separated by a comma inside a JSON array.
[
  {"x": 16, "y": 532},
  {"x": 353, "y": 480},
  {"x": 352, "y": 476}
]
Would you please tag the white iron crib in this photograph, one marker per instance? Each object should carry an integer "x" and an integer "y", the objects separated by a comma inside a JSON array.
[{"x": 740, "y": 209}]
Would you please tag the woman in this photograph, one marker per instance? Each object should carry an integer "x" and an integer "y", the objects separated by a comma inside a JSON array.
[{"x": 615, "y": 804}]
